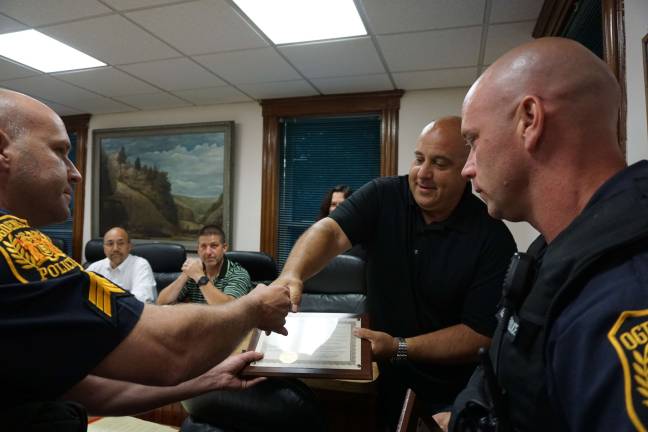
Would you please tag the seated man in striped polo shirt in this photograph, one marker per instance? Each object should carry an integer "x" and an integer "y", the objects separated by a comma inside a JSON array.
[{"x": 212, "y": 278}]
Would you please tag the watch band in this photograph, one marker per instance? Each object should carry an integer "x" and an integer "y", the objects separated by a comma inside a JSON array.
[
  {"x": 401, "y": 351},
  {"x": 204, "y": 280}
]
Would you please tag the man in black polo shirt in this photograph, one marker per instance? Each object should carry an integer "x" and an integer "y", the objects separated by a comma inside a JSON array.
[{"x": 435, "y": 265}]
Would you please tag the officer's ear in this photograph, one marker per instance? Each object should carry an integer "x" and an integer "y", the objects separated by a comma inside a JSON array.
[
  {"x": 530, "y": 122},
  {"x": 5, "y": 143}
]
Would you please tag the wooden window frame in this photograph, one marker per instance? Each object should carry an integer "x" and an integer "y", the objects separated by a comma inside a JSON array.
[
  {"x": 78, "y": 124},
  {"x": 386, "y": 104},
  {"x": 553, "y": 18}
]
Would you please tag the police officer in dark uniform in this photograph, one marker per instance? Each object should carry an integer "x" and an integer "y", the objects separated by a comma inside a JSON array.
[
  {"x": 72, "y": 338},
  {"x": 571, "y": 348}
]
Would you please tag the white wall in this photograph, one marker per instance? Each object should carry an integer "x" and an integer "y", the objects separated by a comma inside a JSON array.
[
  {"x": 636, "y": 27},
  {"x": 418, "y": 108},
  {"x": 246, "y": 161}
]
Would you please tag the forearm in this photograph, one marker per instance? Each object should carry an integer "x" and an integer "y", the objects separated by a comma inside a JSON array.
[
  {"x": 455, "y": 344},
  {"x": 169, "y": 295},
  {"x": 103, "y": 396},
  {"x": 213, "y": 295},
  {"x": 314, "y": 249},
  {"x": 187, "y": 338}
]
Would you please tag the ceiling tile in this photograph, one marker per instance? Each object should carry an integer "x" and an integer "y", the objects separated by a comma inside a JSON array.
[
  {"x": 134, "y": 4},
  {"x": 518, "y": 10},
  {"x": 389, "y": 16},
  {"x": 48, "y": 88},
  {"x": 249, "y": 66},
  {"x": 174, "y": 74},
  {"x": 444, "y": 78},
  {"x": 36, "y": 13},
  {"x": 209, "y": 26},
  {"x": 7, "y": 25},
  {"x": 107, "y": 81},
  {"x": 10, "y": 70},
  {"x": 432, "y": 50},
  {"x": 213, "y": 95},
  {"x": 335, "y": 58},
  {"x": 353, "y": 84},
  {"x": 61, "y": 110},
  {"x": 102, "y": 105},
  {"x": 111, "y": 39},
  {"x": 279, "y": 89},
  {"x": 503, "y": 37},
  {"x": 153, "y": 101}
]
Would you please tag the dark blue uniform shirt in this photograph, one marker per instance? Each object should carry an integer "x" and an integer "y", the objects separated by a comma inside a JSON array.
[
  {"x": 599, "y": 379},
  {"x": 57, "y": 322}
]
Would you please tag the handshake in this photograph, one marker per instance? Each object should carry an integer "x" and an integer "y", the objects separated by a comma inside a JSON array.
[{"x": 270, "y": 305}]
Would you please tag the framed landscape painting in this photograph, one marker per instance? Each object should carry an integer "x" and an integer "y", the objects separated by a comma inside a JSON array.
[{"x": 162, "y": 183}]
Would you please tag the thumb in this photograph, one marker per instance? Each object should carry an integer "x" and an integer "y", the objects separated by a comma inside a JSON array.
[{"x": 295, "y": 300}]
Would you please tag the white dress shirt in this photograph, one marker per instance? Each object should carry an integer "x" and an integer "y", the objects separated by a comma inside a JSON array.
[{"x": 134, "y": 274}]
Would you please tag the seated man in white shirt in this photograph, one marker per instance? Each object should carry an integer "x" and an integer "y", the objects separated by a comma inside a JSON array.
[{"x": 132, "y": 273}]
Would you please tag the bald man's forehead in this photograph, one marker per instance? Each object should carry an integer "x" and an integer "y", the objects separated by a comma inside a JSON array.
[{"x": 115, "y": 234}]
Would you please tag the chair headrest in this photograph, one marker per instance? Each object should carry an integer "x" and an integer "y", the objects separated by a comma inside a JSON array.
[
  {"x": 259, "y": 265},
  {"x": 163, "y": 257},
  {"x": 94, "y": 250},
  {"x": 344, "y": 274}
]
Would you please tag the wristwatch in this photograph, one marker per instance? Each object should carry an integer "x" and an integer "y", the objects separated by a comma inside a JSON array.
[
  {"x": 401, "y": 352},
  {"x": 204, "y": 280}
]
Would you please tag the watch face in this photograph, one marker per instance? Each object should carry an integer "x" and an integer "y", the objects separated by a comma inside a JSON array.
[{"x": 202, "y": 281}]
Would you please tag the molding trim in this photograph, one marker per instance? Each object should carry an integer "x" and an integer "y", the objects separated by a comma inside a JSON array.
[
  {"x": 78, "y": 124},
  {"x": 386, "y": 103}
]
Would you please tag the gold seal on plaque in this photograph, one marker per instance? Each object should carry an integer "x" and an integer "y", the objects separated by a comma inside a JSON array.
[{"x": 288, "y": 357}]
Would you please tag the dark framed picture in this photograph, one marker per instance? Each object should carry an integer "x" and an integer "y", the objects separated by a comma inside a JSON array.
[{"x": 163, "y": 183}]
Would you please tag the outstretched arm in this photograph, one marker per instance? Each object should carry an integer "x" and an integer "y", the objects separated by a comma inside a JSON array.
[
  {"x": 103, "y": 396},
  {"x": 191, "y": 338},
  {"x": 314, "y": 249}
]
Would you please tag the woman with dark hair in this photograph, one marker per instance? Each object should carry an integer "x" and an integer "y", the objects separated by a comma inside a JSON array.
[{"x": 332, "y": 199}]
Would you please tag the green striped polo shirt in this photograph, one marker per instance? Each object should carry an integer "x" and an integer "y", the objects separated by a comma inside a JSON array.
[{"x": 232, "y": 280}]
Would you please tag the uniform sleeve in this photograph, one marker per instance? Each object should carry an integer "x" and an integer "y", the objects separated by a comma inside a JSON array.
[
  {"x": 59, "y": 330},
  {"x": 482, "y": 297},
  {"x": 238, "y": 281},
  {"x": 356, "y": 215},
  {"x": 143, "y": 282},
  {"x": 597, "y": 353}
]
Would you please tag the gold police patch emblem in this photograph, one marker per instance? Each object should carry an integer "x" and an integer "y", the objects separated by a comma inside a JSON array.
[
  {"x": 629, "y": 336},
  {"x": 29, "y": 254}
]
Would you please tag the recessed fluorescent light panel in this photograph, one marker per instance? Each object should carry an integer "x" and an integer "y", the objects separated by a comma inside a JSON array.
[
  {"x": 38, "y": 51},
  {"x": 290, "y": 21}
]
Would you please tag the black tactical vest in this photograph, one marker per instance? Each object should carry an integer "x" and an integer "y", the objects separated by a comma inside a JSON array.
[{"x": 608, "y": 231}]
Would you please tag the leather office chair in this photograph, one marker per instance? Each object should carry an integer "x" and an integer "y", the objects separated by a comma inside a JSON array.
[
  {"x": 259, "y": 265},
  {"x": 166, "y": 260},
  {"x": 339, "y": 287},
  {"x": 93, "y": 251}
]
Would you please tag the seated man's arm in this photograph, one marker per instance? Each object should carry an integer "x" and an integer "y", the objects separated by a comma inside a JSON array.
[
  {"x": 169, "y": 295},
  {"x": 143, "y": 282},
  {"x": 103, "y": 396},
  {"x": 189, "y": 339},
  {"x": 314, "y": 249},
  {"x": 213, "y": 295}
]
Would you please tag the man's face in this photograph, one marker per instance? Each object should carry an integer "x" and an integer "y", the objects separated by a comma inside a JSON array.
[
  {"x": 336, "y": 200},
  {"x": 435, "y": 175},
  {"x": 494, "y": 164},
  {"x": 41, "y": 177},
  {"x": 117, "y": 246},
  {"x": 211, "y": 249}
]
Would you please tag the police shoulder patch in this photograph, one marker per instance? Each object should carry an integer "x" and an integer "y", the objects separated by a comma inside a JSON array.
[{"x": 629, "y": 337}]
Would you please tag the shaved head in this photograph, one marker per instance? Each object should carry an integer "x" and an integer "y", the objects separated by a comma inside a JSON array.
[{"x": 542, "y": 122}]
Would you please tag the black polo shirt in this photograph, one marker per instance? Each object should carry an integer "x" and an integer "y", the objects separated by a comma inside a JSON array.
[{"x": 425, "y": 277}]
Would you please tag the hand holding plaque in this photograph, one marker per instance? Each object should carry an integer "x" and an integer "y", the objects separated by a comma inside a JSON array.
[{"x": 318, "y": 345}]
